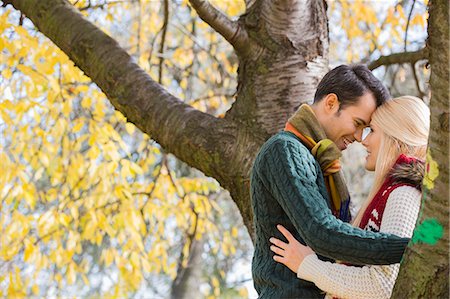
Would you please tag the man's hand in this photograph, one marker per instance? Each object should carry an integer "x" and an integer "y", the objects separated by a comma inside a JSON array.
[{"x": 290, "y": 254}]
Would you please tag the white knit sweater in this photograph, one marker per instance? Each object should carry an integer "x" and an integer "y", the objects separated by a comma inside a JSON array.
[{"x": 367, "y": 282}]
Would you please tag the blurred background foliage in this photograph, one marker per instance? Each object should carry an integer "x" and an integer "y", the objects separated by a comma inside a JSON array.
[{"x": 91, "y": 207}]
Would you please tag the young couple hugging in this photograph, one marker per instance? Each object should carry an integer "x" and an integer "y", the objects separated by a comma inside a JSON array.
[{"x": 306, "y": 244}]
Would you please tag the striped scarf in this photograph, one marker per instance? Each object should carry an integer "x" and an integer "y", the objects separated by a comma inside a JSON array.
[{"x": 305, "y": 126}]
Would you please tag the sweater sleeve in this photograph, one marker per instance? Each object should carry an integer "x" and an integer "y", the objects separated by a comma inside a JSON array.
[
  {"x": 288, "y": 173},
  {"x": 343, "y": 281}
]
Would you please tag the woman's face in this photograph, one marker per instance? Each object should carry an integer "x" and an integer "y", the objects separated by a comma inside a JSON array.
[{"x": 371, "y": 140}]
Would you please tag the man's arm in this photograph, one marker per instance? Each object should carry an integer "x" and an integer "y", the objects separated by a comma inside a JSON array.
[{"x": 287, "y": 175}]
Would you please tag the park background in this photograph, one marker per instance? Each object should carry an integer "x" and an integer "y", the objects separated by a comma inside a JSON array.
[{"x": 93, "y": 207}]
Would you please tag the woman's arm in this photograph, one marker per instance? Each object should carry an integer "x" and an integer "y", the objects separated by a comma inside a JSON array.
[{"x": 357, "y": 282}]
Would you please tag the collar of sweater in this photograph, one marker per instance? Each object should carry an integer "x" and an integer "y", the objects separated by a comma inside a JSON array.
[{"x": 408, "y": 170}]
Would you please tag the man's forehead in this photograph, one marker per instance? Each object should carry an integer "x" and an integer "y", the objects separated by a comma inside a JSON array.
[
  {"x": 364, "y": 108},
  {"x": 361, "y": 113}
]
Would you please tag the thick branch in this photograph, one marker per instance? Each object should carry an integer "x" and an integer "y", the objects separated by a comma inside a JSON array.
[
  {"x": 233, "y": 32},
  {"x": 398, "y": 58},
  {"x": 217, "y": 147}
]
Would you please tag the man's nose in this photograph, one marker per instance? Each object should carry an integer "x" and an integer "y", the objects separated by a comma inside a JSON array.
[{"x": 358, "y": 134}]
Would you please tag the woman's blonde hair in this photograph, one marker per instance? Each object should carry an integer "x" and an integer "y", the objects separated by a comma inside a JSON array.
[{"x": 404, "y": 123}]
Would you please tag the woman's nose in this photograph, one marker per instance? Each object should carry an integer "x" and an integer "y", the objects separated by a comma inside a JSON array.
[{"x": 364, "y": 141}]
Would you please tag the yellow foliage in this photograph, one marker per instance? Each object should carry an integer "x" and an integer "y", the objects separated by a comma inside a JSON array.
[
  {"x": 6, "y": 73},
  {"x": 71, "y": 273},
  {"x": 419, "y": 20},
  {"x": 72, "y": 184},
  {"x": 234, "y": 232},
  {"x": 370, "y": 26},
  {"x": 232, "y": 8}
]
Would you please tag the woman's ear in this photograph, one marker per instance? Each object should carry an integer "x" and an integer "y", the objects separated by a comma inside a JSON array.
[{"x": 331, "y": 102}]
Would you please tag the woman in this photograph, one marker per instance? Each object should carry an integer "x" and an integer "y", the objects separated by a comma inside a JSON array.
[{"x": 396, "y": 147}]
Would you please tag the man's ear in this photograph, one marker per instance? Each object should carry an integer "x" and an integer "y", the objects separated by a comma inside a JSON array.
[{"x": 331, "y": 102}]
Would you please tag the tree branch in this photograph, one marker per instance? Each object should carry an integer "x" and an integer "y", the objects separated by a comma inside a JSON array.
[
  {"x": 138, "y": 33},
  {"x": 163, "y": 40},
  {"x": 233, "y": 32},
  {"x": 407, "y": 24},
  {"x": 218, "y": 147},
  {"x": 399, "y": 58},
  {"x": 91, "y": 6}
]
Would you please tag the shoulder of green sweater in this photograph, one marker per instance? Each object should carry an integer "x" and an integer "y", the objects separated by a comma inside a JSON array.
[
  {"x": 286, "y": 141},
  {"x": 283, "y": 147}
]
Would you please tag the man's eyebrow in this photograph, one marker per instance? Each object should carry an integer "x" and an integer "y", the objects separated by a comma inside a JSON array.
[{"x": 361, "y": 121}]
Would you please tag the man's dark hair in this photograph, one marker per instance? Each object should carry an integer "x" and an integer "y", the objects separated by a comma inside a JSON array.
[{"x": 349, "y": 82}]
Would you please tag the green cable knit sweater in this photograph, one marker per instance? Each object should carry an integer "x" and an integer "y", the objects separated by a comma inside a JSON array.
[{"x": 287, "y": 187}]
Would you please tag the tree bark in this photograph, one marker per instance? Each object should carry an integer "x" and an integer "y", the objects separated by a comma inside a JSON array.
[
  {"x": 285, "y": 72},
  {"x": 290, "y": 52},
  {"x": 424, "y": 271}
]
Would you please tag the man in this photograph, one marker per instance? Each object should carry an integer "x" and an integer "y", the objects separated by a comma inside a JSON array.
[{"x": 288, "y": 186}]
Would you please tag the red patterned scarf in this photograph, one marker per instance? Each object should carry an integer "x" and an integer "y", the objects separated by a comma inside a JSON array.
[{"x": 373, "y": 214}]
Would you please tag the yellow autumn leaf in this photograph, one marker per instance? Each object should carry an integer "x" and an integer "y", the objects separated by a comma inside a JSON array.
[
  {"x": 224, "y": 248},
  {"x": 418, "y": 20},
  {"x": 35, "y": 289},
  {"x": 74, "y": 212},
  {"x": 431, "y": 171},
  {"x": 72, "y": 240},
  {"x": 29, "y": 250},
  {"x": 234, "y": 232},
  {"x": 71, "y": 273},
  {"x": 44, "y": 68},
  {"x": 134, "y": 260},
  {"x": 130, "y": 128},
  {"x": 243, "y": 292},
  {"x": 6, "y": 73},
  {"x": 79, "y": 124},
  {"x": 400, "y": 11},
  {"x": 64, "y": 219},
  {"x": 215, "y": 282}
]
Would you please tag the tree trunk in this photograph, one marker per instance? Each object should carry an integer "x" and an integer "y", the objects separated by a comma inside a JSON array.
[
  {"x": 283, "y": 50},
  {"x": 424, "y": 271},
  {"x": 285, "y": 72}
]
